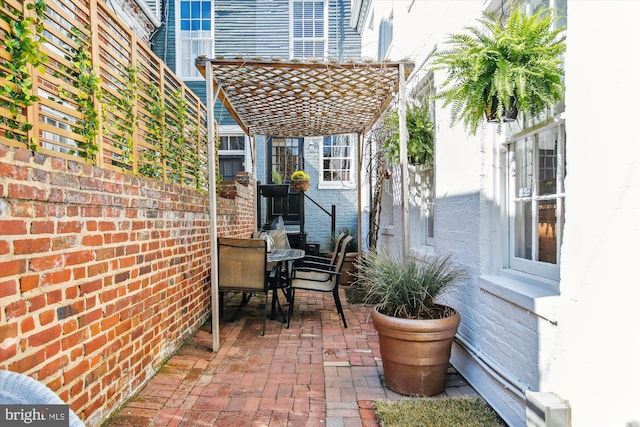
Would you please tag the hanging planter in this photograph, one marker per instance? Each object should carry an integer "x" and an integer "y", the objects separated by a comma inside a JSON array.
[
  {"x": 300, "y": 181},
  {"x": 495, "y": 115},
  {"x": 505, "y": 68}
]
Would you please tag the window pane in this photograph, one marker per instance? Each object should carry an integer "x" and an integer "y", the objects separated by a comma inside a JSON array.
[
  {"x": 206, "y": 9},
  {"x": 308, "y": 28},
  {"x": 523, "y": 234},
  {"x": 547, "y": 162},
  {"x": 319, "y": 29},
  {"x": 524, "y": 167},
  {"x": 308, "y": 10},
  {"x": 185, "y": 7},
  {"x": 547, "y": 238},
  {"x": 297, "y": 29},
  {"x": 195, "y": 9},
  {"x": 285, "y": 156}
]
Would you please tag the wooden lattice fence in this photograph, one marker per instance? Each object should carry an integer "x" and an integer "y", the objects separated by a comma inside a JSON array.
[{"x": 76, "y": 83}]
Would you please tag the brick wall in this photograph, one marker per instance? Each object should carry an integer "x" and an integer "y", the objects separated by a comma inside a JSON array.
[
  {"x": 236, "y": 207},
  {"x": 102, "y": 274}
]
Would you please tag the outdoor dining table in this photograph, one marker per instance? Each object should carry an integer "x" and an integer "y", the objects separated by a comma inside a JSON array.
[{"x": 282, "y": 256}]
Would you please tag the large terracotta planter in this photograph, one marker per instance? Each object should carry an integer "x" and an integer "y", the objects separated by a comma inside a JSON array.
[
  {"x": 415, "y": 353},
  {"x": 348, "y": 270}
]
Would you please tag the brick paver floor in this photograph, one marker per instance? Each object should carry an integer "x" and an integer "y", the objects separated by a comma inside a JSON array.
[{"x": 316, "y": 373}]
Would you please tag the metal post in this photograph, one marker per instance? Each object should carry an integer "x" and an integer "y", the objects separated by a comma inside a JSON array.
[
  {"x": 301, "y": 209},
  {"x": 333, "y": 220},
  {"x": 258, "y": 206}
]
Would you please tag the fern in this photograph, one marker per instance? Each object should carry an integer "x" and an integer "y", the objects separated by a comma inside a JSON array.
[{"x": 522, "y": 61}]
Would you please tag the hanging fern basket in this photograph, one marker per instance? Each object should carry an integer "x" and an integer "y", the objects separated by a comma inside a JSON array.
[
  {"x": 508, "y": 114},
  {"x": 300, "y": 184}
]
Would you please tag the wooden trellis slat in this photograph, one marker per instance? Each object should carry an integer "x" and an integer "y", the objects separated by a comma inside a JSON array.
[{"x": 56, "y": 117}]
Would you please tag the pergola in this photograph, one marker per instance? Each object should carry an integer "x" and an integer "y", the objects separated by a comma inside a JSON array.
[{"x": 295, "y": 98}]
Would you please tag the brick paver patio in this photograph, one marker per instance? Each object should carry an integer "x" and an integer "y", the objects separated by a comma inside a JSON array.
[{"x": 316, "y": 373}]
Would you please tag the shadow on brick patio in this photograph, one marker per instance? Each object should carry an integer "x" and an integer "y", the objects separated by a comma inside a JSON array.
[{"x": 315, "y": 373}]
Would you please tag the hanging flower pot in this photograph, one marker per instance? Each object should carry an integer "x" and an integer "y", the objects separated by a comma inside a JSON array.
[
  {"x": 522, "y": 56},
  {"x": 506, "y": 115},
  {"x": 300, "y": 181},
  {"x": 300, "y": 184}
]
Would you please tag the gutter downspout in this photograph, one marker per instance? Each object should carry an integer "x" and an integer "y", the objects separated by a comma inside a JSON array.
[{"x": 149, "y": 13}]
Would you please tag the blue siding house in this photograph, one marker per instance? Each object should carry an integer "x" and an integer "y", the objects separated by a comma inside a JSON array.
[{"x": 286, "y": 29}]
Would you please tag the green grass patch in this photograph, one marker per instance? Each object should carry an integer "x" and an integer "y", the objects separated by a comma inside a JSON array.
[{"x": 436, "y": 412}]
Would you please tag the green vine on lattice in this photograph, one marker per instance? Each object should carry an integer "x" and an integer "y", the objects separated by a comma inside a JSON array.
[
  {"x": 23, "y": 44},
  {"x": 88, "y": 84},
  {"x": 124, "y": 104},
  {"x": 178, "y": 138},
  {"x": 153, "y": 166}
]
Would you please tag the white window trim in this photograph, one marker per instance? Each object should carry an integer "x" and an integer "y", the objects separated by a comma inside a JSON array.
[
  {"x": 178, "y": 43},
  {"x": 292, "y": 39},
  {"x": 234, "y": 130},
  {"x": 545, "y": 271},
  {"x": 337, "y": 185}
]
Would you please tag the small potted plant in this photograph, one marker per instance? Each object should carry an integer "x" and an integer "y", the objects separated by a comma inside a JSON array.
[
  {"x": 415, "y": 332},
  {"x": 276, "y": 188},
  {"x": 300, "y": 180},
  {"x": 496, "y": 70}
]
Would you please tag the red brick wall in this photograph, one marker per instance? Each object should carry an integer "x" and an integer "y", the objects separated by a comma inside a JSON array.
[
  {"x": 102, "y": 274},
  {"x": 236, "y": 207}
]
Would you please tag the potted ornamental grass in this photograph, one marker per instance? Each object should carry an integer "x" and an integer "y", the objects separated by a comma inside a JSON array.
[
  {"x": 496, "y": 70},
  {"x": 415, "y": 331}
]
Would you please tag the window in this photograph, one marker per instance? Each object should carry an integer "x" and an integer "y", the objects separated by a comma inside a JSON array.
[
  {"x": 337, "y": 167},
  {"x": 308, "y": 29},
  {"x": 422, "y": 177},
  {"x": 385, "y": 36},
  {"x": 231, "y": 155},
  {"x": 536, "y": 196},
  {"x": 194, "y": 36},
  {"x": 232, "y": 143},
  {"x": 535, "y": 183},
  {"x": 285, "y": 156}
]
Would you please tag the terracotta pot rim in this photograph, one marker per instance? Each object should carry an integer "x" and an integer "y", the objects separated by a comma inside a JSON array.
[
  {"x": 385, "y": 321},
  {"x": 455, "y": 313}
]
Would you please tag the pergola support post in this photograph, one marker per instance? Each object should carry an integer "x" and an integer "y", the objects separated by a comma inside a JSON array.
[
  {"x": 213, "y": 223},
  {"x": 404, "y": 161}
]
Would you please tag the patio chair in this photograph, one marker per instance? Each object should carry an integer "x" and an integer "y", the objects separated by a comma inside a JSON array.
[
  {"x": 321, "y": 261},
  {"x": 242, "y": 267},
  {"x": 323, "y": 279}
]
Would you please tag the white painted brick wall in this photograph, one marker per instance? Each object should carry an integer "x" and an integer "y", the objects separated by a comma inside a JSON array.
[{"x": 589, "y": 354}]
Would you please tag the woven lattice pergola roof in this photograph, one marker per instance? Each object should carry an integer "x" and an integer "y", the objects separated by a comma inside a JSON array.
[{"x": 304, "y": 98}]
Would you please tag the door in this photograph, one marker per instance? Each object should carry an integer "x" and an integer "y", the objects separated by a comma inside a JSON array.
[{"x": 284, "y": 156}]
